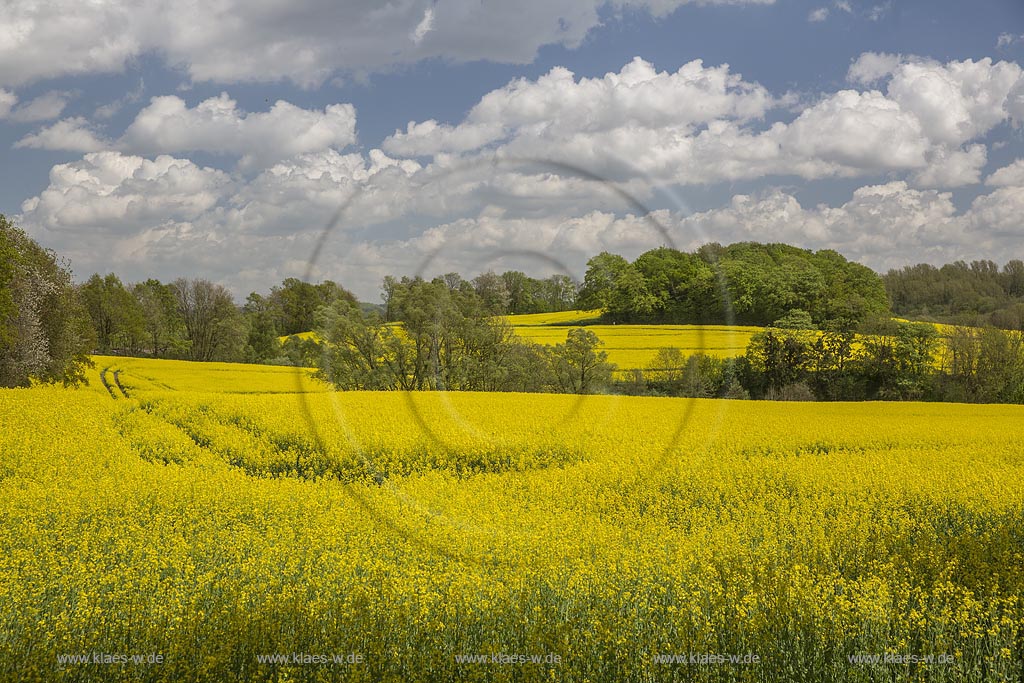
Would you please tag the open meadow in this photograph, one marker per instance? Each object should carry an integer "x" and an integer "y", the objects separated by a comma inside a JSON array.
[{"x": 223, "y": 515}]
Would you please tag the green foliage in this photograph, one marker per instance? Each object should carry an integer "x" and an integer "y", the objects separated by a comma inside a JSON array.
[
  {"x": 262, "y": 341},
  {"x": 682, "y": 285},
  {"x": 748, "y": 283},
  {"x": 890, "y": 360},
  {"x": 896, "y": 360},
  {"x": 599, "y": 284},
  {"x": 796, "y": 319},
  {"x": 162, "y": 323},
  {"x": 361, "y": 352},
  {"x": 198, "y": 319},
  {"x": 447, "y": 339},
  {"x": 294, "y": 303},
  {"x": 213, "y": 324},
  {"x": 116, "y": 314},
  {"x": 696, "y": 376},
  {"x": 530, "y": 295},
  {"x": 579, "y": 366},
  {"x": 982, "y": 365},
  {"x": 777, "y": 359},
  {"x": 977, "y": 293},
  {"x": 493, "y": 292},
  {"x": 300, "y": 352},
  {"x": 44, "y": 329},
  {"x": 798, "y": 391},
  {"x": 9, "y": 271}
]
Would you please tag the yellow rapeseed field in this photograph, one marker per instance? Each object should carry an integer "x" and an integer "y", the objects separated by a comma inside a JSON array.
[
  {"x": 557, "y": 318},
  {"x": 636, "y": 346},
  {"x": 216, "y": 526}
]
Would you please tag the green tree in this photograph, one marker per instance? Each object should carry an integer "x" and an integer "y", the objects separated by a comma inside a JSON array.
[
  {"x": 45, "y": 334},
  {"x": 603, "y": 272},
  {"x": 630, "y": 299},
  {"x": 262, "y": 342},
  {"x": 116, "y": 314},
  {"x": 579, "y": 366},
  {"x": 446, "y": 339},
  {"x": 296, "y": 302},
  {"x": 213, "y": 324},
  {"x": 796, "y": 319},
  {"x": 526, "y": 367},
  {"x": 683, "y": 286},
  {"x": 559, "y": 293},
  {"x": 832, "y": 356},
  {"x": 983, "y": 365},
  {"x": 696, "y": 376},
  {"x": 357, "y": 348},
  {"x": 493, "y": 293},
  {"x": 977, "y": 293},
  {"x": 776, "y": 359},
  {"x": 521, "y": 290},
  {"x": 897, "y": 359},
  {"x": 161, "y": 322}
]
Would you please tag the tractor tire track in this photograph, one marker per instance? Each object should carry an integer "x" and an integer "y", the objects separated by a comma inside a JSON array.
[
  {"x": 106, "y": 384},
  {"x": 117, "y": 381}
]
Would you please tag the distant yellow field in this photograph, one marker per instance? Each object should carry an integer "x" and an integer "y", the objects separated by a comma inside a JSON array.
[
  {"x": 228, "y": 378},
  {"x": 942, "y": 328},
  {"x": 628, "y": 346},
  {"x": 559, "y": 318},
  {"x": 301, "y": 335},
  {"x": 635, "y": 346}
]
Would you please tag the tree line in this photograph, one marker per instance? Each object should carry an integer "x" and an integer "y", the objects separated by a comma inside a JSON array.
[
  {"x": 199, "y": 320},
  {"x": 977, "y": 293},
  {"x": 449, "y": 338},
  {"x": 887, "y": 360},
  {"x": 830, "y": 336},
  {"x": 745, "y": 283}
]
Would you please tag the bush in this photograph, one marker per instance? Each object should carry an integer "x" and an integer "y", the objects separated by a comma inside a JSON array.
[
  {"x": 795, "y": 320},
  {"x": 736, "y": 391},
  {"x": 791, "y": 392}
]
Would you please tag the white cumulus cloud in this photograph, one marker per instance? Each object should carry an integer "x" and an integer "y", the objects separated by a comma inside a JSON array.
[
  {"x": 7, "y": 102},
  {"x": 703, "y": 124},
  {"x": 872, "y": 66},
  {"x": 216, "y": 125},
  {"x": 235, "y": 40},
  {"x": 74, "y": 134},
  {"x": 1011, "y": 175},
  {"x": 45, "y": 107},
  {"x": 919, "y": 124},
  {"x": 558, "y": 105},
  {"x": 115, "y": 193}
]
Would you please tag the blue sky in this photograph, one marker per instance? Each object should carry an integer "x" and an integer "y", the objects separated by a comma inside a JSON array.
[{"x": 162, "y": 139}]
